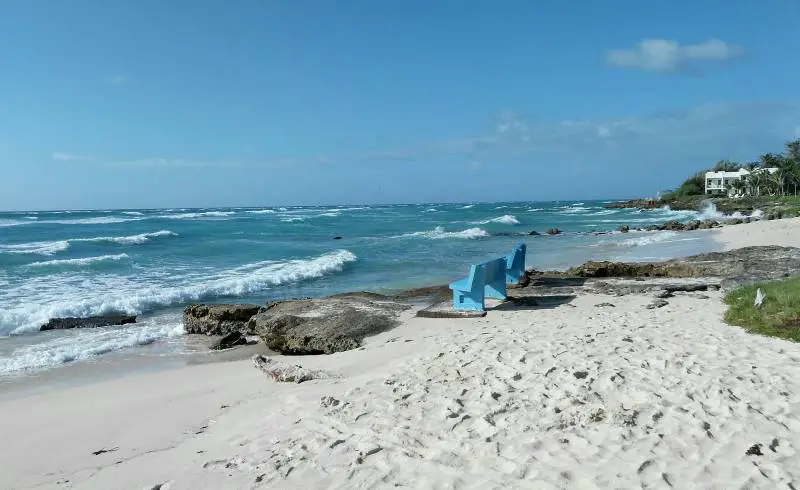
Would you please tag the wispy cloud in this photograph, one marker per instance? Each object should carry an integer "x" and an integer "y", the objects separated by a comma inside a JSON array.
[
  {"x": 664, "y": 55},
  {"x": 71, "y": 157},
  {"x": 158, "y": 162}
]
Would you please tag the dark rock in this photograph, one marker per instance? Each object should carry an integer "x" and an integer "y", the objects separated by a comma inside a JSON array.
[
  {"x": 652, "y": 228},
  {"x": 673, "y": 225},
  {"x": 533, "y": 233},
  {"x": 693, "y": 225},
  {"x": 337, "y": 238},
  {"x": 636, "y": 203},
  {"x": 603, "y": 305},
  {"x": 88, "y": 322},
  {"x": 754, "y": 450},
  {"x": 736, "y": 221},
  {"x": 553, "y": 231},
  {"x": 707, "y": 224},
  {"x": 659, "y": 303},
  {"x": 623, "y": 229},
  {"x": 219, "y": 319},
  {"x": 324, "y": 326},
  {"x": 231, "y": 340},
  {"x": 580, "y": 374}
]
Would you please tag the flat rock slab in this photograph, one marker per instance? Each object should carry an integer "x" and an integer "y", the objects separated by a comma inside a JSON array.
[
  {"x": 444, "y": 309},
  {"x": 324, "y": 326},
  {"x": 88, "y": 322}
]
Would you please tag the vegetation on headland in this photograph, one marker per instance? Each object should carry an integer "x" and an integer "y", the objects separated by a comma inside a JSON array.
[
  {"x": 778, "y": 316},
  {"x": 775, "y": 193}
]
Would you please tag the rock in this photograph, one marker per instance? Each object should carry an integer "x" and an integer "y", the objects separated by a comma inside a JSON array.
[
  {"x": 652, "y": 228},
  {"x": 693, "y": 225},
  {"x": 324, "y": 326},
  {"x": 88, "y": 322},
  {"x": 754, "y": 450},
  {"x": 603, "y": 305},
  {"x": 662, "y": 293},
  {"x": 623, "y": 229},
  {"x": 337, "y": 238},
  {"x": 553, "y": 231},
  {"x": 533, "y": 233},
  {"x": 659, "y": 303},
  {"x": 736, "y": 221},
  {"x": 219, "y": 319},
  {"x": 288, "y": 373},
  {"x": 636, "y": 203},
  {"x": 231, "y": 340},
  {"x": 673, "y": 225},
  {"x": 707, "y": 224}
]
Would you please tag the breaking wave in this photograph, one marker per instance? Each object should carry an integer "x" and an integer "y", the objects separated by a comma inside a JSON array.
[
  {"x": 112, "y": 294},
  {"x": 79, "y": 262},
  {"x": 439, "y": 233},
  {"x": 51, "y": 248},
  {"x": 507, "y": 219}
]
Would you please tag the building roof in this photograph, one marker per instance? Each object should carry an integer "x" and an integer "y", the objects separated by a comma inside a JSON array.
[{"x": 739, "y": 173}]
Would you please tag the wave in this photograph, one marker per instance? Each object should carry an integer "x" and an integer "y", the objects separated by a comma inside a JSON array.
[
  {"x": 645, "y": 238},
  {"x": 605, "y": 212},
  {"x": 12, "y": 222},
  {"x": 79, "y": 262},
  {"x": 51, "y": 248},
  {"x": 40, "y": 248},
  {"x": 114, "y": 295},
  {"x": 261, "y": 211},
  {"x": 507, "y": 219},
  {"x": 533, "y": 210},
  {"x": 439, "y": 233},
  {"x": 329, "y": 215},
  {"x": 204, "y": 214},
  {"x": 98, "y": 220},
  {"x": 292, "y": 219},
  {"x": 32, "y": 217},
  {"x": 91, "y": 343},
  {"x": 468, "y": 206},
  {"x": 127, "y": 240},
  {"x": 573, "y": 209}
]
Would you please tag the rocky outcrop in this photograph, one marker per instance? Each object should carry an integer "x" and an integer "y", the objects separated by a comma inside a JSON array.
[
  {"x": 219, "y": 319},
  {"x": 636, "y": 203},
  {"x": 624, "y": 229},
  {"x": 324, "y": 326},
  {"x": 88, "y": 322},
  {"x": 553, "y": 231},
  {"x": 735, "y": 267}
]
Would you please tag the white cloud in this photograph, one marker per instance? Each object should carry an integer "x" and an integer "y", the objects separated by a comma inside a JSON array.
[
  {"x": 663, "y": 55},
  {"x": 70, "y": 157}
]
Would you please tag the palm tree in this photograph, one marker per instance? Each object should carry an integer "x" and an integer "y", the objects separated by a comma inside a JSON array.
[{"x": 739, "y": 187}]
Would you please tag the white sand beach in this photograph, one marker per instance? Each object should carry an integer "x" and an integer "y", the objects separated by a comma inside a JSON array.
[{"x": 574, "y": 396}]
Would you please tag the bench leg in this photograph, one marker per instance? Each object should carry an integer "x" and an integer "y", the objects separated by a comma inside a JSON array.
[{"x": 468, "y": 301}]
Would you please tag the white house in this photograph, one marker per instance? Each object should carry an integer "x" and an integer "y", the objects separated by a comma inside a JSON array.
[{"x": 720, "y": 182}]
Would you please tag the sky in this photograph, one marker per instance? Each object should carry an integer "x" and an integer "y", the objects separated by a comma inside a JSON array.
[{"x": 201, "y": 103}]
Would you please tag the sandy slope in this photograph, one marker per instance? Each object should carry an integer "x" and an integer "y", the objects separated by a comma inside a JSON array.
[
  {"x": 784, "y": 232},
  {"x": 576, "y": 396}
]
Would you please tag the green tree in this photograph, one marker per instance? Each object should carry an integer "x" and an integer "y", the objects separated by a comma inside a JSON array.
[{"x": 726, "y": 166}]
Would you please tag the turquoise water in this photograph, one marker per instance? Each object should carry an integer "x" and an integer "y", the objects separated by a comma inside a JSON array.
[{"x": 153, "y": 262}]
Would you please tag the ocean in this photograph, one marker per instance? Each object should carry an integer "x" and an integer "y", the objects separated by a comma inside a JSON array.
[{"x": 152, "y": 262}]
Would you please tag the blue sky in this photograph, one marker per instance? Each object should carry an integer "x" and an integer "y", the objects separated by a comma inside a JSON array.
[{"x": 153, "y": 103}]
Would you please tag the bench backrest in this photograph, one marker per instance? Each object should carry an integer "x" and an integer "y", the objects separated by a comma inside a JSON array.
[
  {"x": 515, "y": 263},
  {"x": 495, "y": 273}
]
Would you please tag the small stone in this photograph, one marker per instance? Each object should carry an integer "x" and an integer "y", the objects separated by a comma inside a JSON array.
[
  {"x": 659, "y": 303},
  {"x": 580, "y": 374},
  {"x": 754, "y": 450},
  {"x": 604, "y": 305}
]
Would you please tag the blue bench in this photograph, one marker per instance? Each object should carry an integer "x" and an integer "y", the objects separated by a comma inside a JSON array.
[
  {"x": 488, "y": 280},
  {"x": 515, "y": 264}
]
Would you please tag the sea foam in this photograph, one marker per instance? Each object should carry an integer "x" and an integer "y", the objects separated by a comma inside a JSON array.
[
  {"x": 68, "y": 295},
  {"x": 507, "y": 219},
  {"x": 439, "y": 233}
]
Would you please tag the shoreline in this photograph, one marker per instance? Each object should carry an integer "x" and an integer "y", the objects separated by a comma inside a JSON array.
[
  {"x": 121, "y": 364},
  {"x": 636, "y": 372}
]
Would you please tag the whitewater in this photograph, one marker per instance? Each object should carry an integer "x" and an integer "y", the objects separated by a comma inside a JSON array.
[{"x": 151, "y": 263}]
